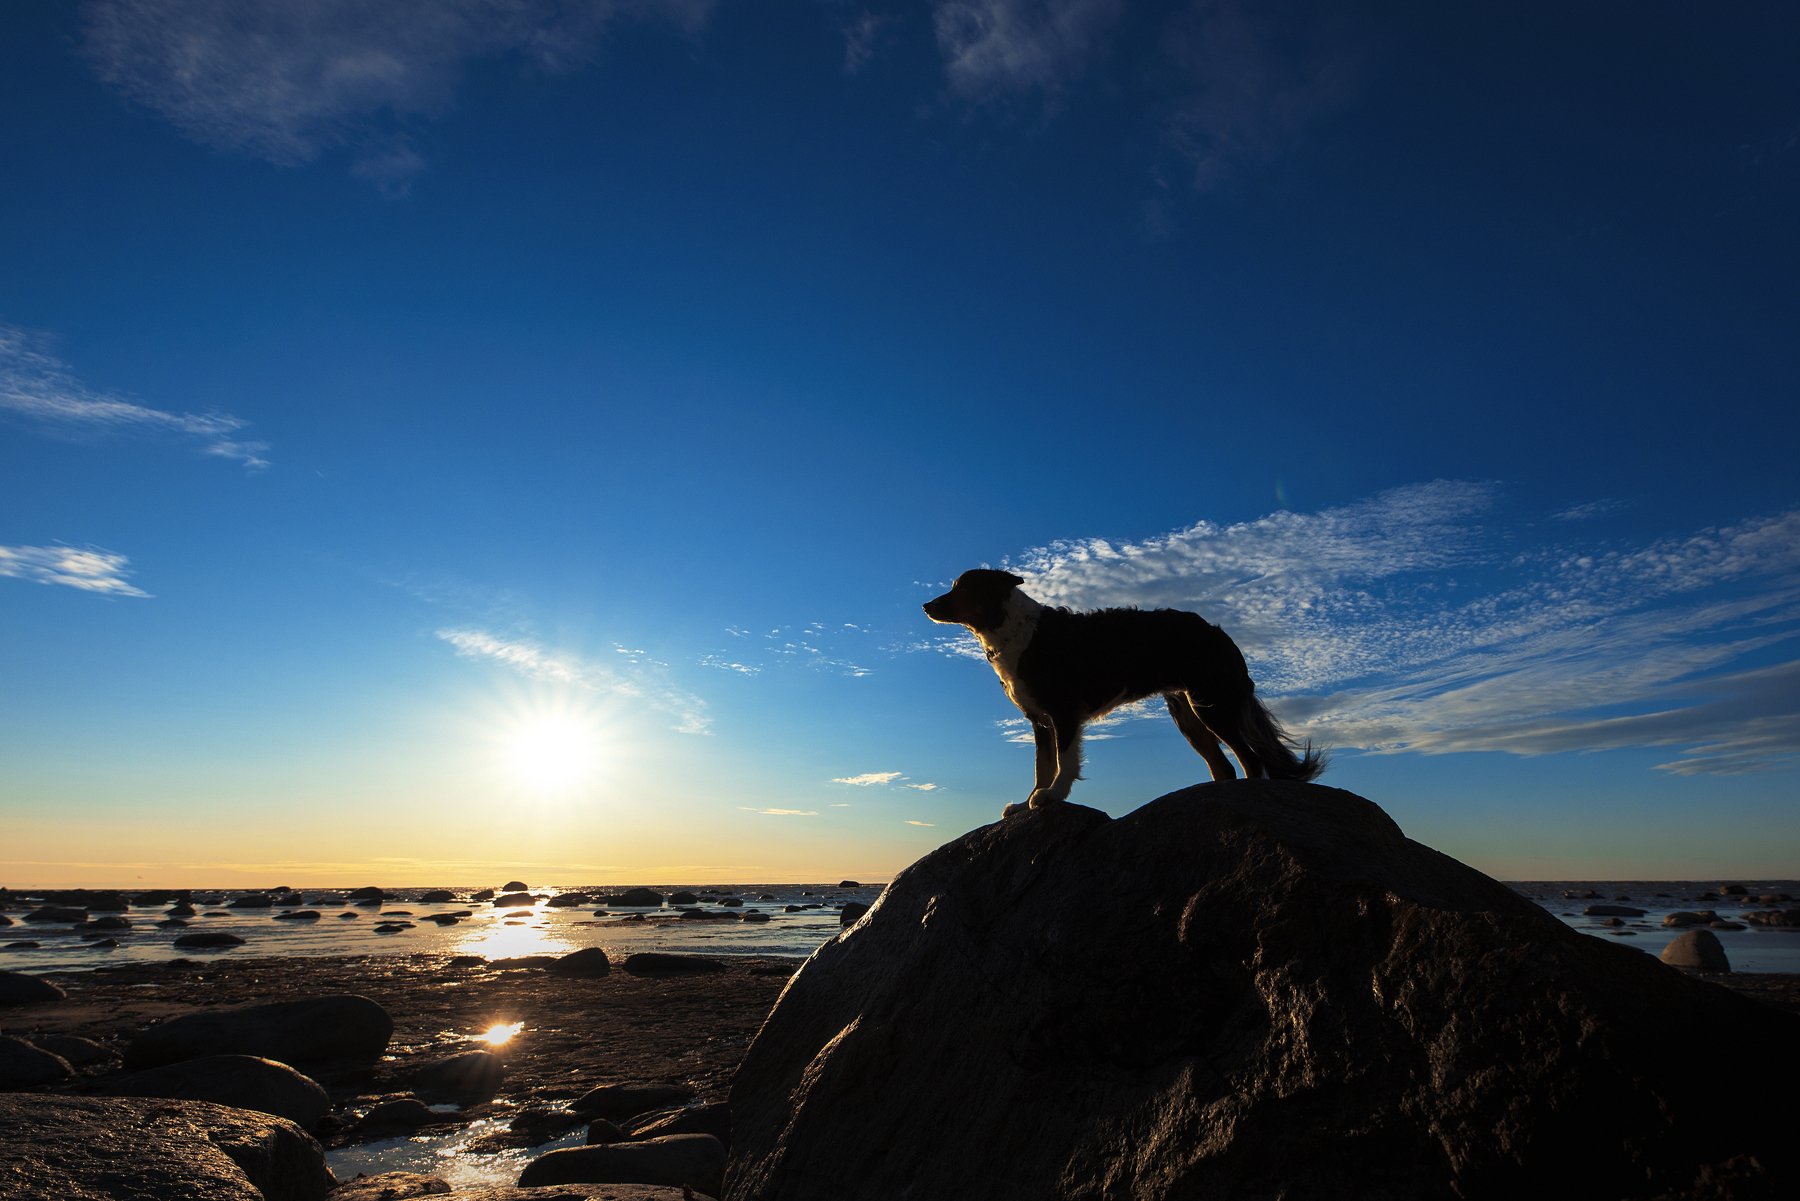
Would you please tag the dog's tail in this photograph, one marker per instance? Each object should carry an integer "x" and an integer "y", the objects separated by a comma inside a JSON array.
[{"x": 1274, "y": 747}]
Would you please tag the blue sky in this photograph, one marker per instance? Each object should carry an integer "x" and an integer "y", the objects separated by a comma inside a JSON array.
[{"x": 443, "y": 441}]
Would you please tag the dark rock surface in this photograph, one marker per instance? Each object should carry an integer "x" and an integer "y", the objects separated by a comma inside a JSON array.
[
  {"x": 26, "y": 1065},
  {"x": 464, "y": 1078},
  {"x": 589, "y": 961},
  {"x": 210, "y": 938},
  {"x": 241, "y": 1081},
  {"x": 134, "y": 1149},
  {"x": 312, "y": 1030},
  {"x": 17, "y": 988},
  {"x": 1279, "y": 995},
  {"x": 635, "y": 898},
  {"x": 618, "y": 1101},
  {"x": 695, "y": 1160},
  {"x": 1699, "y": 950}
]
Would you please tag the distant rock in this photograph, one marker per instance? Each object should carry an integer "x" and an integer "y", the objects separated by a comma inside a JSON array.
[
  {"x": 1697, "y": 950},
  {"x": 659, "y": 963},
  {"x": 683, "y": 898},
  {"x": 253, "y": 901},
  {"x": 209, "y": 938},
  {"x": 111, "y": 922},
  {"x": 635, "y": 898},
  {"x": 514, "y": 900},
  {"x": 852, "y": 913},
  {"x": 732, "y": 902},
  {"x": 312, "y": 1030},
  {"x": 849, "y": 884},
  {"x": 401, "y": 1113},
  {"x": 142, "y": 1149},
  {"x": 393, "y": 927},
  {"x": 59, "y": 914},
  {"x": 568, "y": 900},
  {"x": 368, "y": 893},
  {"x": 616, "y": 1102},
  {"x": 23, "y": 1065},
  {"x": 755, "y": 916},
  {"x": 298, "y": 915},
  {"x": 1774, "y": 917},
  {"x": 437, "y": 896},
  {"x": 694, "y": 1160},
  {"x": 514, "y": 886},
  {"x": 1612, "y": 911},
  {"x": 486, "y": 894},
  {"x": 242, "y": 1081},
  {"x": 589, "y": 961},
  {"x": 1733, "y": 890},
  {"x": 1248, "y": 989},
  {"x": 17, "y": 988}
]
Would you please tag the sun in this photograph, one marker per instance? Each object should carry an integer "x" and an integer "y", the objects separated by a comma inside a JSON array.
[{"x": 551, "y": 752}]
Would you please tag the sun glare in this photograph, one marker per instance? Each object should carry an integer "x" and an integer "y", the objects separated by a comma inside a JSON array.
[
  {"x": 499, "y": 1034},
  {"x": 552, "y": 753}
]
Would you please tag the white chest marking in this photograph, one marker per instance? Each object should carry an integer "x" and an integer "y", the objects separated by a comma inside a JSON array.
[{"x": 1006, "y": 644}]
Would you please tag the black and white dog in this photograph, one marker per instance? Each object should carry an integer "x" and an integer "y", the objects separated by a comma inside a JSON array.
[{"x": 1063, "y": 669}]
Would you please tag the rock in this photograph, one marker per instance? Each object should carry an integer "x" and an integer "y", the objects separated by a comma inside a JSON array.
[
  {"x": 181, "y": 910},
  {"x": 113, "y": 922},
  {"x": 616, "y": 1102},
  {"x": 636, "y": 898},
  {"x": 391, "y": 1186},
  {"x": 17, "y": 988},
  {"x": 579, "y": 1192},
  {"x": 173, "y": 923},
  {"x": 77, "y": 1050},
  {"x": 437, "y": 896},
  {"x": 568, "y": 900},
  {"x": 60, "y": 914},
  {"x": 402, "y": 1113},
  {"x": 443, "y": 919},
  {"x": 24, "y": 944},
  {"x": 1773, "y": 917},
  {"x": 659, "y": 963},
  {"x": 241, "y": 1081},
  {"x": 368, "y": 893},
  {"x": 589, "y": 961},
  {"x": 142, "y": 1149},
  {"x": 253, "y": 901},
  {"x": 393, "y": 927},
  {"x": 1698, "y": 950},
  {"x": 1612, "y": 911},
  {"x": 756, "y": 916},
  {"x": 1724, "y": 925},
  {"x": 23, "y": 1065},
  {"x": 514, "y": 900},
  {"x": 312, "y": 1030},
  {"x": 1249, "y": 989},
  {"x": 732, "y": 902},
  {"x": 848, "y": 884},
  {"x": 852, "y": 913},
  {"x": 298, "y": 915},
  {"x": 209, "y": 938},
  {"x": 693, "y": 1160},
  {"x": 683, "y": 898},
  {"x": 486, "y": 894},
  {"x": 1733, "y": 890},
  {"x": 350, "y": 917},
  {"x": 601, "y": 1132},
  {"x": 698, "y": 1119},
  {"x": 465, "y": 1078},
  {"x": 514, "y": 886},
  {"x": 1682, "y": 918}
]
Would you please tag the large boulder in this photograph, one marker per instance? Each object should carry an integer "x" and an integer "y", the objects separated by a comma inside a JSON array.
[
  {"x": 1697, "y": 950},
  {"x": 242, "y": 1081},
  {"x": 136, "y": 1149},
  {"x": 25, "y": 1065},
  {"x": 1249, "y": 989},
  {"x": 693, "y": 1160},
  {"x": 312, "y": 1030},
  {"x": 17, "y": 988},
  {"x": 464, "y": 1078}
]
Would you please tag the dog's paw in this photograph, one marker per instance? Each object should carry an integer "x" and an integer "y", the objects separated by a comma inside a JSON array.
[
  {"x": 1013, "y": 810},
  {"x": 1043, "y": 798}
]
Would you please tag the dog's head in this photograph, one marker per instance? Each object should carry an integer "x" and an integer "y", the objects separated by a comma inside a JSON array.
[{"x": 977, "y": 599}]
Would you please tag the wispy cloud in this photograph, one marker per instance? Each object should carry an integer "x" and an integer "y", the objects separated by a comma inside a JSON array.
[
  {"x": 287, "y": 80},
  {"x": 837, "y": 648},
  {"x": 1430, "y": 619},
  {"x": 39, "y": 387},
  {"x": 868, "y": 778},
  {"x": 914, "y": 822},
  {"x": 87, "y": 569},
  {"x": 631, "y": 674},
  {"x": 995, "y": 47},
  {"x": 780, "y": 812}
]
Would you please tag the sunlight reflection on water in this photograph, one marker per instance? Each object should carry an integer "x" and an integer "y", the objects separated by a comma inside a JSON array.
[{"x": 507, "y": 942}]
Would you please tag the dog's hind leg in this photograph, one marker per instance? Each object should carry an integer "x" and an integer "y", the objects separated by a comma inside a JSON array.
[
  {"x": 1226, "y": 725},
  {"x": 1187, "y": 720}
]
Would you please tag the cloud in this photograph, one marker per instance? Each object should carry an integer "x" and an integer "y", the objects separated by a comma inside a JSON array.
[
  {"x": 836, "y": 648},
  {"x": 287, "y": 80},
  {"x": 637, "y": 676},
  {"x": 913, "y": 822},
  {"x": 781, "y": 812},
  {"x": 992, "y": 47},
  {"x": 868, "y": 778},
  {"x": 39, "y": 387},
  {"x": 90, "y": 570},
  {"x": 1434, "y": 619},
  {"x": 922, "y": 787}
]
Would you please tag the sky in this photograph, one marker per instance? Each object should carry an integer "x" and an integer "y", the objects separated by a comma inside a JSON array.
[{"x": 450, "y": 440}]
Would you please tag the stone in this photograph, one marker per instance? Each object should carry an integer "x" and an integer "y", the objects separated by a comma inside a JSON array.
[
  {"x": 514, "y": 886},
  {"x": 589, "y": 961},
  {"x": 367, "y": 893},
  {"x": 23, "y": 944},
  {"x": 852, "y": 913},
  {"x": 60, "y": 914},
  {"x": 253, "y": 901},
  {"x": 401, "y": 1113},
  {"x": 712, "y": 1119},
  {"x": 1612, "y": 911},
  {"x": 17, "y": 988},
  {"x": 465, "y": 1078},
  {"x": 298, "y": 915},
  {"x": 635, "y": 898},
  {"x": 437, "y": 896},
  {"x": 25, "y": 1065},
  {"x": 683, "y": 898},
  {"x": 111, "y": 922},
  {"x": 754, "y": 915},
  {"x": 241, "y": 1081},
  {"x": 601, "y": 1132},
  {"x": 514, "y": 900},
  {"x": 72, "y": 1047},
  {"x": 848, "y": 884},
  {"x": 1683, "y": 918},
  {"x": 486, "y": 894},
  {"x": 146, "y": 1149},
  {"x": 391, "y": 1186},
  {"x": 310, "y": 1030},
  {"x": 661, "y": 963},
  {"x": 1249, "y": 988},
  {"x": 616, "y": 1102},
  {"x": 568, "y": 900},
  {"x": 692, "y": 1160},
  {"x": 209, "y": 938},
  {"x": 1697, "y": 950}
]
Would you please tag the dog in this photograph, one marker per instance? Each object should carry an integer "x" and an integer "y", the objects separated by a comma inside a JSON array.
[{"x": 1063, "y": 669}]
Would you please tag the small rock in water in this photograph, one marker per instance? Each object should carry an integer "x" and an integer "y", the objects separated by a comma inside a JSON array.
[
  {"x": 678, "y": 1160},
  {"x": 465, "y": 1079},
  {"x": 405, "y": 1113},
  {"x": 1697, "y": 950},
  {"x": 589, "y": 961},
  {"x": 437, "y": 896},
  {"x": 660, "y": 963},
  {"x": 298, "y": 915},
  {"x": 851, "y": 913},
  {"x": 209, "y": 938}
]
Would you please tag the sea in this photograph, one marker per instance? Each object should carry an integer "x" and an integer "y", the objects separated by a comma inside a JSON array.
[{"x": 789, "y": 920}]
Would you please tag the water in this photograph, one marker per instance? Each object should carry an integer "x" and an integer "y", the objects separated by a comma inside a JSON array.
[
  {"x": 1754, "y": 949},
  {"x": 446, "y": 1154},
  {"x": 488, "y": 931}
]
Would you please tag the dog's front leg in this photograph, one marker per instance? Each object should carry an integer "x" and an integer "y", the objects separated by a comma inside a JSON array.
[
  {"x": 1043, "y": 735},
  {"x": 1066, "y": 741}
]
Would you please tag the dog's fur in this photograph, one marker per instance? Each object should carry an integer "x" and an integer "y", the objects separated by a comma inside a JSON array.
[{"x": 1063, "y": 669}]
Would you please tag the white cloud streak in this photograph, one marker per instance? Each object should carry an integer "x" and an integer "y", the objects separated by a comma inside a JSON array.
[
  {"x": 39, "y": 387},
  {"x": 1421, "y": 621},
  {"x": 287, "y": 80},
  {"x": 85, "y": 569},
  {"x": 780, "y": 812},
  {"x": 993, "y": 47},
  {"x": 869, "y": 778},
  {"x": 633, "y": 674}
]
